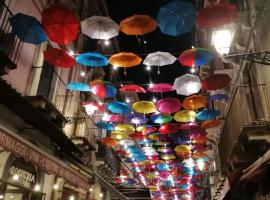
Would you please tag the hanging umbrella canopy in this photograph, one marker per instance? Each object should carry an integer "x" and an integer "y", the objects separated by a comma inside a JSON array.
[
  {"x": 168, "y": 129},
  {"x": 125, "y": 128},
  {"x": 160, "y": 87},
  {"x": 169, "y": 105},
  {"x": 207, "y": 114},
  {"x": 187, "y": 84},
  {"x": 60, "y": 24},
  {"x": 144, "y": 107},
  {"x": 91, "y": 107},
  {"x": 27, "y": 28},
  {"x": 189, "y": 126},
  {"x": 110, "y": 142},
  {"x": 125, "y": 59},
  {"x": 168, "y": 157},
  {"x": 218, "y": 97},
  {"x": 196, "y": 57},
  {"x": 118, "y": 135},
  {"x": 194, "y": 102},
  {"x": 137, "y": 136},
  {"x": 161, "y": 118},
  {"x": 210, "y": 123},
  {"x": 185, "y": 116},
  {"x": 119, "y": 107},
  {"x": 77, "y": 86},
  {"x": 127, "y": 143},
  {"x": 165, "y": 150},
  {"x": 102, "y": 89},
  {"x": 216, "y": 15},
  {"x": 136, "y": 118},
  {"x": 92, "y": 60},
  {"x": 182, "y": 149},
  {"x": 176, "y": 18},
  {"x": 112, "y": 118},
  {"x": 154, "y": 136},
  {"x": 105, "y": 125},
  {"x": 138, "y": 25},
  {"x": 99, "y": 27},
  {"x": 132, "y": 88},
  {"x": 59, "y": 58},
  {"x": 215, "y": 82}
]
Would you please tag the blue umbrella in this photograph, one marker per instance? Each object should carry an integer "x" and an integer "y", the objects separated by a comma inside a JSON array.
[
  {"x": 105, "y": 125},
  {"x": 136, "y": 118},
  {"x": 218, "y": 97},
  {"x": 176, "y": 18},
  {"x": 28, "y": 28},
  {"x": 163, "y": 167},
  {"x": 119, "y": 107},
  {"x": 92, "y": 59},
  {"x": 77, "y": 86},
  {"x": 207, "y": 114}
]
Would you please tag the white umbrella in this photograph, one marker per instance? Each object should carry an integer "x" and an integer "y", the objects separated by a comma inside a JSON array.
[
  {"x": 187, "y": 84},
  {"x": 98, "y": 27},
  {"x": 159, "y": 59}
]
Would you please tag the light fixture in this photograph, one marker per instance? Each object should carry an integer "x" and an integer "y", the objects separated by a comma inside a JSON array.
[
  {"x": 148, "y": 68},
  {"x": 71, "y": 197},
  {"x": 100, "y": 103},
  {"x": 11, "y": 196},
  {"x": 127, "y": 100},
  {"x": 192, "y": 47},
  {"x": 200, "y": 165},
  {"x": 91, "y": 189},
  {"x": 192, "y": 70},
  {"x": 37, "y": 187},
  {"x": 1, "y": 196},
  {"x": 70, "y": 52},
  {"x": 83, "y": 73},
  {"x": 101, "y": 194},
  {"x": 154, "y": 99},
  {"x": 222, "y": 39},
  {"x": 106, "y": 42},
  {"x": 15, "y": 177},
  {"x": 151, "y": 85},
  {"x": 144, "y": 42},
  {"x": 55, "y": 186},
  {"x": 115, "y": 67}
]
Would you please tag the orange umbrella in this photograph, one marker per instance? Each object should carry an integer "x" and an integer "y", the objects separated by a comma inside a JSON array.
[
  {"x": 210, "y": 123},
  {"x": 194, "y": 102},
  {"x": 138, "y": 25},
  {"x": 125, "y": 59},
  {"x": 110, "y": 142}
]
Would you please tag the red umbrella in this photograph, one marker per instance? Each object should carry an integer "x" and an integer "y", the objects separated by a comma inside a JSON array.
[
  {"x": 169, "y": 105},
  {"x": 59, "y": 57},
  {"x": 147, "y": 130},
  {"x": 60, "y": 23},
  {"x": 132, "y": 88},
  {"x": 215, "y": 82},
  {"x": 216, "y": 15},
  {"x": 168, "y": 129},
  {"x": 161, "y": 87},
  {"x": 137, "y": 136}
]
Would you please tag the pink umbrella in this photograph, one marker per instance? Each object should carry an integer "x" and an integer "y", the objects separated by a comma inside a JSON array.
[
  {"x": 190, "y": 126},
  {"x": 112, "y": 118},
  {"x": 161, "y": 87},
  {"x": 169, "y": 105}
]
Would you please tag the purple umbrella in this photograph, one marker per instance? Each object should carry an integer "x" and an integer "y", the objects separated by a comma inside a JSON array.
[
  {"x": 136, "y": 118},
  {"x": 218, "y": 97}
]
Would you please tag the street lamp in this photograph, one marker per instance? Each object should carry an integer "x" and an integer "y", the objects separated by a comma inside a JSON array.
[{"x": 222, "y": 39}]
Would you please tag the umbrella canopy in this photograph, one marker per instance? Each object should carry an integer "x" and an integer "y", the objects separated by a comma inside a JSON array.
[
  {"x": 91, "y": 107},
  {"x": 144, "y": 107},
  {"x": 77, "y": 86},
  {"x": 59, "y": 58},
  {"x": 138, "y": 25},
  {"x": 216, "y": 81},
  {"x": 182, "y": 149},
  {"x": 189, "y": 126},
  {"x": 102, "y": 89},
  {"x": 112, "y": 118},
  {"x": 110, "y": 142},
  {"x": 125, "y": 128},
  {"x": 92, "y": 60},
  {"x": 207, "y": 114},
  {"x": 168, "y": 157},
  {"x": 161, "y": 87},
  {"x": 168, "y": 129},
  {"x": 105, "y": 125},
  {"x": 119, "y": 107},
  {"x": 210, "y": 123},
  {"x": 127, "y": 143},
  {"x": 118, "y": 135},
  {"x": 216, "y": 15},
  {"x": 27, "y": 28},
  {"x": 137, "y": 136},
  {"x": 218, "y": 97},
  {"x": 146, "y": 129},
  {"x": 187, "y": 84},
  {"x": 99, "y": 27},
  {"x": 169, "y": 105},
  {"x": 196, "y": 57},
  {"x": 161, "y": 118},
  {"x": 185, "y": 116},
  {"x": 176, "y": 18},
  {"x": 132, "y": 88},
  {"x": 60, "y": 24},
  {"x": 136, "y": 118},
  {"x": 125, "y": 59},
  {"x": 194, "y": 102}
]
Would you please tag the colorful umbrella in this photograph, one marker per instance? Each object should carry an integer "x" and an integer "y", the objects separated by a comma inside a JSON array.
[
  {"x": 27, "y": 28},
  {"x": 91, "y": 107},
  {"x": 105, "y": 125},
  {"x": 154, "y": 136},
  {"x": 216, "y": 15},
  {"x": 127, "y": 143},
  {"x": 132, "y": 88},
  {"x": 77, "y": 86},
  {"x": 161, "y": 87},
  {"x": 218, "y": 97},
  {"x": 125, "y": 59},
  {"x": 59, "y": 58},
  {"x": 147, "y": 130},
  {"x": 215, "y": 82},
  {"x": 161, "y": 118},
  {"x": 187, "y": 84},
  {"x": 60, "y": 24},
  {"x": 165, "y": 150},
  {"x": 138, "y": 25},
  {"x": 169, "y": 105},
  {"x": 144, "y": 107},
  {"x": 207, "y": 114},
  {"x": 176, "y": 18},
  {"x": 102, "y": 89},
  {"x": 182, "y": 149},
  {"x": 159, "y": 59},
  {"x": 92, "y": 60},
  {"x": 210, "y": 123},
  {"x": 125, "y": 128},
  {"x": 168, "y": 129},
  {"x": 189, "y": 126},
  {"x": 110, "y": 142},
  {"x": 118, "y": 135},
  {"x": 196, "y": 57},
  {"x": 99, "y": 27},
  {"x": 168, "y": 157},
  {"x": 194, "y": 102},
  {"x": 113, "y": 118},
  {"x": 185, "y": 116},
  {"x": 119, "y": 107},
  {"x": 136, "y": 118},
  {"x": 137, "y": 136}
]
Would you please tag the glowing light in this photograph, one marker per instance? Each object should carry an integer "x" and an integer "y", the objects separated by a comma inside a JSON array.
[
  {"x": 1, "y": 196},
  {"x": 115, "y": 67},
  {"x": 71, "y": 197},
  {"x": 148, "y": 68},
  {"x": 70, "y": 52},
  {"x": 192, "y": 47},
  {"x": 144, "y": 42},
  {"x": 192, "y": 70},
  {"x": 151, "y": 85},
  {"x": 200, "y": 165},
  {"x": 37, "y": 187},
  {"x": 15, "y": 177},
  {"x": 82, "y": 73},
  {"x": 106, "y": 42},
  {"x": 55, "y": 186},
  {"x": 192, "y": 87},
  {"x": 222, "y": 39},
  {"x": 100, "y": 103},
  {"x": 127, "y": 100},
  {"x": 154, "y": 100},
  {"x": 101, "y": 194},
  {"x": 91, "y": 189}
]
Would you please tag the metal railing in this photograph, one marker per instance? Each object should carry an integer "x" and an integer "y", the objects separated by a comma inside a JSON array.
[{"x": 10, "y": 44}]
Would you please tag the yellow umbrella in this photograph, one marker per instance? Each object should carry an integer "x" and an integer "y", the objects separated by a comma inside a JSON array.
[
  {"x": 144, "y": 107},
  {"x": 119, "y": 135},
  {"x": 185, "y": 116},
  {"x": 168, "y": 157},
  {"x": 125, "y": 128},
  {"x": 182, "y": 149},
  {"x": 151, "y": 175}
]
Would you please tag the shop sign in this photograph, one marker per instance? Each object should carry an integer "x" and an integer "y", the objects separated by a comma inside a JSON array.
[
  {"x": 12, "y": 144},
  {"x": 25, "y": 178}
]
